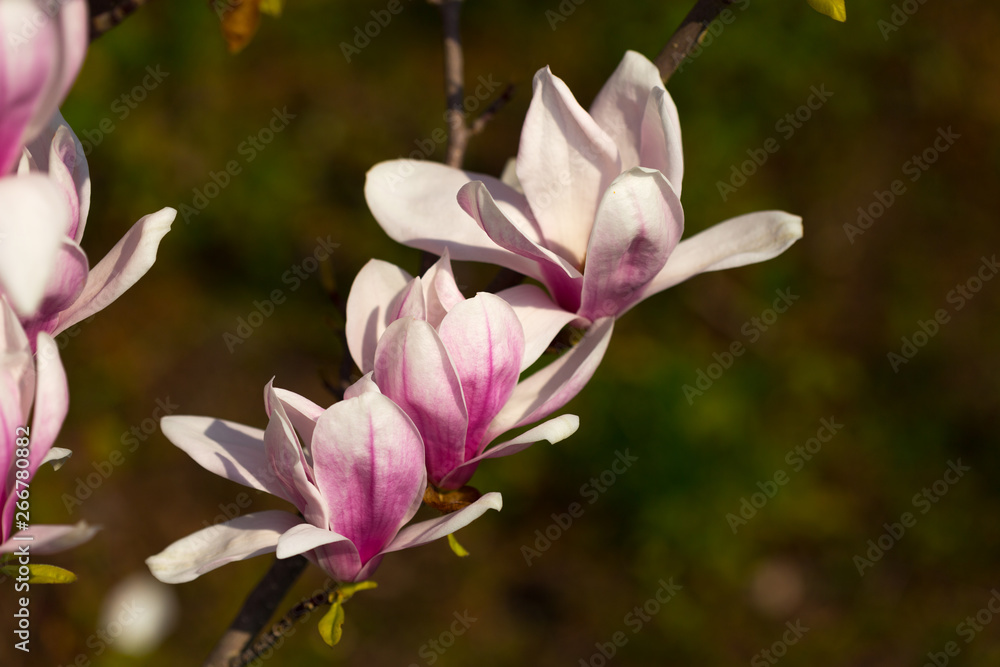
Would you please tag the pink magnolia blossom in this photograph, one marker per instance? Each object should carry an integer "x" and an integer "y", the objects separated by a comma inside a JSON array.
[
  {"x": 21, "y": 384},
  {"x": 595, "y": 211},
  {"x": 453, "y": 363},
  {"x": 43, "y": 46},
  {"x": 354, "y": 470},
  {"x": 71, "y": 290}
]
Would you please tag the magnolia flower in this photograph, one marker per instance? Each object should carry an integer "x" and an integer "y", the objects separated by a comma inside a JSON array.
[
  {"x": 452, "y": 364},
  {"x": 595, "y": 211},
  {"x": 43, "y": 45},
  {"x": 20, "y": 385},
  {"x": 357, "y": 476},
  {"x": 72, "y": 291}
]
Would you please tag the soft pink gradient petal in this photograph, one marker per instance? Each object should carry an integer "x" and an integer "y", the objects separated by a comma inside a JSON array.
[
  {"x": 434, "y": 529},
  {"x": 413, "y": 368},
  {"x": 289, "y": 465},
  {"x": 552, "y": 387},
  {"x": 363, "y": 386},
  {"x": 377, "y": 284},
  {"x": 552, "y": 431},
  {"x": 414, "y": 202},
  {"x": 410, "y": 302},
  {"x": 50, "y": 539},
  {"x": 65, "y": 286},
  {"x": 128, "y": 261},
  {"x": 368, "y": 460},
  {"x": 660, "y": 147},
  {"x": 66, "y": 164},
  {"x": 302, "y": 412},
  {"x": 747, "y": 239},
  {"x": 237, "y": 539},
  {"x": 485, "y": 341},
  {"x": 227, "y": 449},
  {"x": 562, "y": 278},
  {"x": 540, "y": 317},
  {"x": 638, "y": 224},
  {"x": 34, "y": 217},
  {"x": 331, "y": 551},
  {"x": 441, "y": 292},
  {"x": 565, "y": 161}
]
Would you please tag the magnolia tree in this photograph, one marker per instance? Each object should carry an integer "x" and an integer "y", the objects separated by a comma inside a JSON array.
[{"x": 589, "y": 209}]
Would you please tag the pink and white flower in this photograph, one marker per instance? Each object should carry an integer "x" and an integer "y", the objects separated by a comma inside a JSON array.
[
  {"x": 452, "y": 364},
  {"x": 354, "y": 470},
  {"x": 595, "y": 212},
  {"x": 21, "y": 385}
]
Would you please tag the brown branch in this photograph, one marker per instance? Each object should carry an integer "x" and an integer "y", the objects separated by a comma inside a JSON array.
[
  {"x": 454, "y": 83},
  {"x": 256, "y": 610},
  {"x": 686, "y": 37},
  {"x": 106, "y": 14},
  {"x": 324, "y": 597}
]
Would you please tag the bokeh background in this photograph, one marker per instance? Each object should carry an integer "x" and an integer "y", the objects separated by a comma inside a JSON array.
[{"x": 665, "y": 517}]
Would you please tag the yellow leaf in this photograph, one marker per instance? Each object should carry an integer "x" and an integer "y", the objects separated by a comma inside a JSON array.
[
  {"x": 332, "y": 624},
  {"x": 835, "y": 9},
  {"x": 347, "y": 591},
  {"x": 272, "y": 7},
  {"x": 42, "y": 574},
  {"x": 459, "y": 550}
]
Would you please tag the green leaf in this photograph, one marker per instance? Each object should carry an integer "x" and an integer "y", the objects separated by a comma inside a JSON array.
[
  {"x": 346, "y": 591},
  {"x": 459, "y": 550},
  {"x": 272, "y": 7},
  {"x": 42, "y": 574},
  {"x": 332, "y": 624},
  {"x": 835, "y": 9}
]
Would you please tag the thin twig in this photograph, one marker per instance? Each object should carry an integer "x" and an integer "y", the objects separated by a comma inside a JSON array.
[
  {"x": 324, "y": 597},
  {"x": 256, "y": 610},
  {"x": 454, "y": 83},
  {"x": 686, "y": 37},
  {"x": 106, "y": 14}
]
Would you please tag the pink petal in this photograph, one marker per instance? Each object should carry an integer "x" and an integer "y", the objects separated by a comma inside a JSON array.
[
  {"x": 302, "y": 412},
  {"x": 442, "y": 526},
  {"x": 747, "y": 239},
  {"x": 50, "y": 539},
  {"x": 565, "y": 162},
  {"x": 237, "y": 539},
  {"x": 34, "y": 217},
  {"x": 410, "y": 302},
  {"x": 289, "y": 465},
  {"x": 485, "y": 341},
  {"x": 66, "y": 163},
  {"x": 441, "y": 292},
  {"x": 414, "y": 202},
  {"x": 412, "y": 367},
  {"x": 336, "y": 554},
  {"x": 228, "y": 449},
  {"x": 377, "y": 284},
  {"x": 559, "y": 275},
  {"x": 128, "y": 261},
  {"x": 540, "y": 318},
  {"x": 368, "y": 461},
  {"x": 638, "y": 224},
  {"x": 552, "y": 387},
  {"x": 362, "y": 386},
  {"x": 552, "y": 431},
  {"x": 65, "y": 285},
  {"x": 661, "y": 138}
]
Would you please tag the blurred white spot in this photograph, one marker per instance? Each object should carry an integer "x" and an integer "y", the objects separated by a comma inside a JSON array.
[{"x": 139, "y": 612}]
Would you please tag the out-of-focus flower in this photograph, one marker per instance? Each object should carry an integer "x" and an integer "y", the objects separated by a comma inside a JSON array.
[
  {"x": 24, "y": 448},
  {"x": 453, "y": 363},
  {"x": 595, "y": 211},
  {"x": 357, "y": 476},
  {"x": 142, "y": 610},
  {"x": 42, "y": 45},
  {"x": 72, "y": 290}
]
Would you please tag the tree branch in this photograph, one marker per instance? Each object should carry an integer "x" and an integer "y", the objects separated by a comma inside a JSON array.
[
  {"x": 106, "y": 14},
  {"x": 687, "y": 35},
  {"x": 454, "y": 83},
  {"x": 256, "y": 610}
]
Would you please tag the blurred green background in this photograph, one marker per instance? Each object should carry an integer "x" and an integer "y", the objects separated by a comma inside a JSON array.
[{"x": 666, "y": 516}]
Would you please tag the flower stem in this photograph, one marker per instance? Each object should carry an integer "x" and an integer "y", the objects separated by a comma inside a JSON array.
[{"x": 686, "y": 37}]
